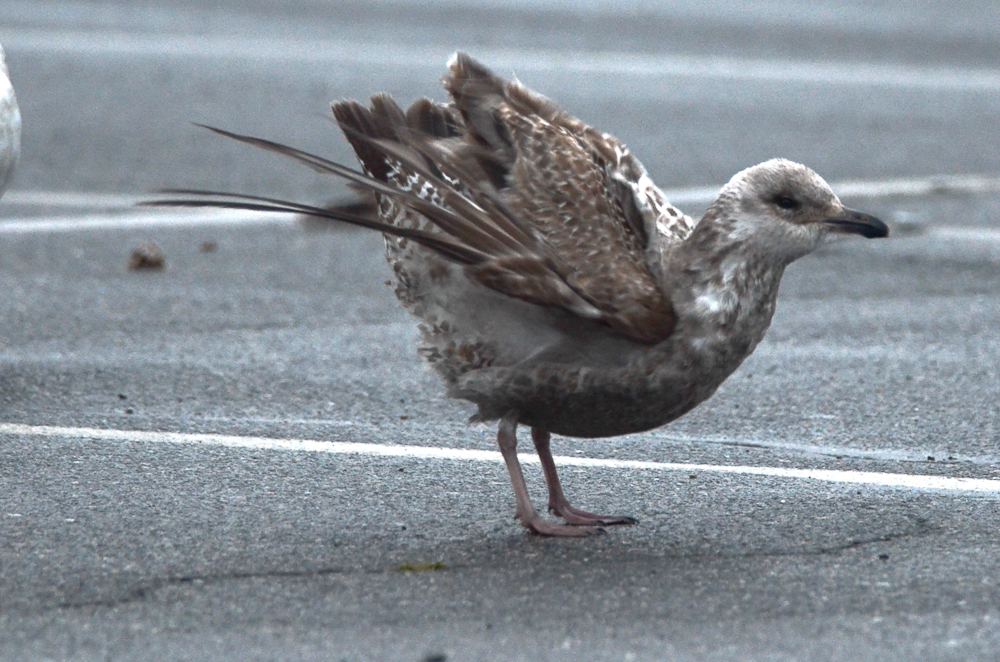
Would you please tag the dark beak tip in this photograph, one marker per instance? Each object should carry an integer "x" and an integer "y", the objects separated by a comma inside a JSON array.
[
  {"x": 856, "y": 222},
  {"x": 877, "y": 230}
]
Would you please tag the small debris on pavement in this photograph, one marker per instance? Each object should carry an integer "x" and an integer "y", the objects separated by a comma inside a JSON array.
[
  {"x": 208, "y": 246},
  {"x": 147, "y": 256},
  {"x": 420, "y": 567}
]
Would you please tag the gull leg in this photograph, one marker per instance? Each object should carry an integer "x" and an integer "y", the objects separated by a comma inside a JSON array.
[
  {"x": 558, "y": 504},
  {"x": 526, "y": 513}
]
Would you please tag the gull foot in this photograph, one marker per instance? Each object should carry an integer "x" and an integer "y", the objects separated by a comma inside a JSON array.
[
  {"x": 577, "y": 517},
  {"x": 543, "y": 527}
]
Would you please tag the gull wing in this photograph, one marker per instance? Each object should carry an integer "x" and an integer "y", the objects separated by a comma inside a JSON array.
[
  {"x": 532, "y": 202},
  {"x": 581, "y": 189}
]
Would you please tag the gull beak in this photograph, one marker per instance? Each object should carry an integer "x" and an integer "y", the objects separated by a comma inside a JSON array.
[{"x": 849, "y": 221}]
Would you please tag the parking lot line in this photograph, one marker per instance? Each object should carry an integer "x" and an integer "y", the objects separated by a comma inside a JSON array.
[
  {"x": 136, "y": 219},
  {"x": 329, "y": 51},
  {"x": 879, "y": 479},
  {"x": 696, "y": 195}
]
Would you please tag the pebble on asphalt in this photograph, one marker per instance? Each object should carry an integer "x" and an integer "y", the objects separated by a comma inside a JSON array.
[{"x": 147, "y": 256}]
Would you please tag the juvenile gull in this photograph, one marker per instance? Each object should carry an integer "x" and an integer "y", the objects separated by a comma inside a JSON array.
[
  {"x": 554, "y": 285},
  {"x": 10, "y": 126}
]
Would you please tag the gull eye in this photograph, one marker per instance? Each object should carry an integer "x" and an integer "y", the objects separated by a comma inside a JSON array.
[{"x": 786, "y": 202}]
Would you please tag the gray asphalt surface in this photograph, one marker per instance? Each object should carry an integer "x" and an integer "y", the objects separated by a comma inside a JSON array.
[{"x": 883, "y": 355}]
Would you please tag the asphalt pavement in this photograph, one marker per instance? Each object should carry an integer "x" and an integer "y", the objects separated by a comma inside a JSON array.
[{"x": 204, "y": 462}]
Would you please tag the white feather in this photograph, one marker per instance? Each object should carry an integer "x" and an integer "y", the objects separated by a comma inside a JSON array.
[{"x": 10, "y": 126}]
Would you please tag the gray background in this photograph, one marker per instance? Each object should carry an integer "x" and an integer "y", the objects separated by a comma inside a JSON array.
[{"x": 882, "y": 354}]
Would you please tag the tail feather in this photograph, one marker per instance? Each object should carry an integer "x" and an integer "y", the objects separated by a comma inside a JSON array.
[
  {"x": 352, "y": 114},
  {"x": 478, "y": 235},
  {"x": 432, "y": 119},
  {"x": 217, "y": 199},
  {"x": 478, "y": 93},
  {"x": 462, "y": 153},
  {"x": 490, "y": 214}
]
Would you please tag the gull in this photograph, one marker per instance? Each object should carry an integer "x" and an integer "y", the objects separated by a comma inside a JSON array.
[
  {"x": 554, "y": 285},
  {"x": 10, "y": 126}
]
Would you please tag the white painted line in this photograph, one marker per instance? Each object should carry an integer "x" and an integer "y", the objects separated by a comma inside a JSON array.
[
  {"x": 72, "y": 199},
  {"x": 696, "y": 195},
  {"x": 912, "y": 481},
  {"x": 918, "y": 186},
  {"x": 903, "y": 187},
  {"x": 147, "y": 219},
  {"x": 332, "y": 51},
  {"x": 699, "y": 195},
  {"x": 982, "y": 235}
]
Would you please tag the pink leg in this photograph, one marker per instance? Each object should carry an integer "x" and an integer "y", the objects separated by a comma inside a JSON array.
[
  {"x": 526, "y": 513},
  {"x": 558, "y": 504}
]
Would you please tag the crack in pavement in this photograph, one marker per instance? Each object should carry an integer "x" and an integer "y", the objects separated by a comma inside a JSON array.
[
  {"x": 146, "y": 591},
  {"x": 922, "y": 528}
]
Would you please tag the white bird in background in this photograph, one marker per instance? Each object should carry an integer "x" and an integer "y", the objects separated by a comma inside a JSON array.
[{"x": 10, "y": 126}]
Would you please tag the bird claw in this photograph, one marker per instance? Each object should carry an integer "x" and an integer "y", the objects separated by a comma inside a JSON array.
[
  {"x": 577, "y": 517},
  {"x": 543, "y": 527}
]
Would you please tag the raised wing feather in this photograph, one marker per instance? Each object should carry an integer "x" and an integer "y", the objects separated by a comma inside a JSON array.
[
  {"x": 532, "y": 202},
  {"x": 580, "y": 188}
]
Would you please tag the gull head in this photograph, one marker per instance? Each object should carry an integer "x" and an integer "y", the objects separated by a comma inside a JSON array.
[{"x": 785, "y": 209}]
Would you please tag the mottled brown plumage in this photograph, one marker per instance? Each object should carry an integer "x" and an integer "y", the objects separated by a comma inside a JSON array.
[{"x": 554, "y": 284}]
